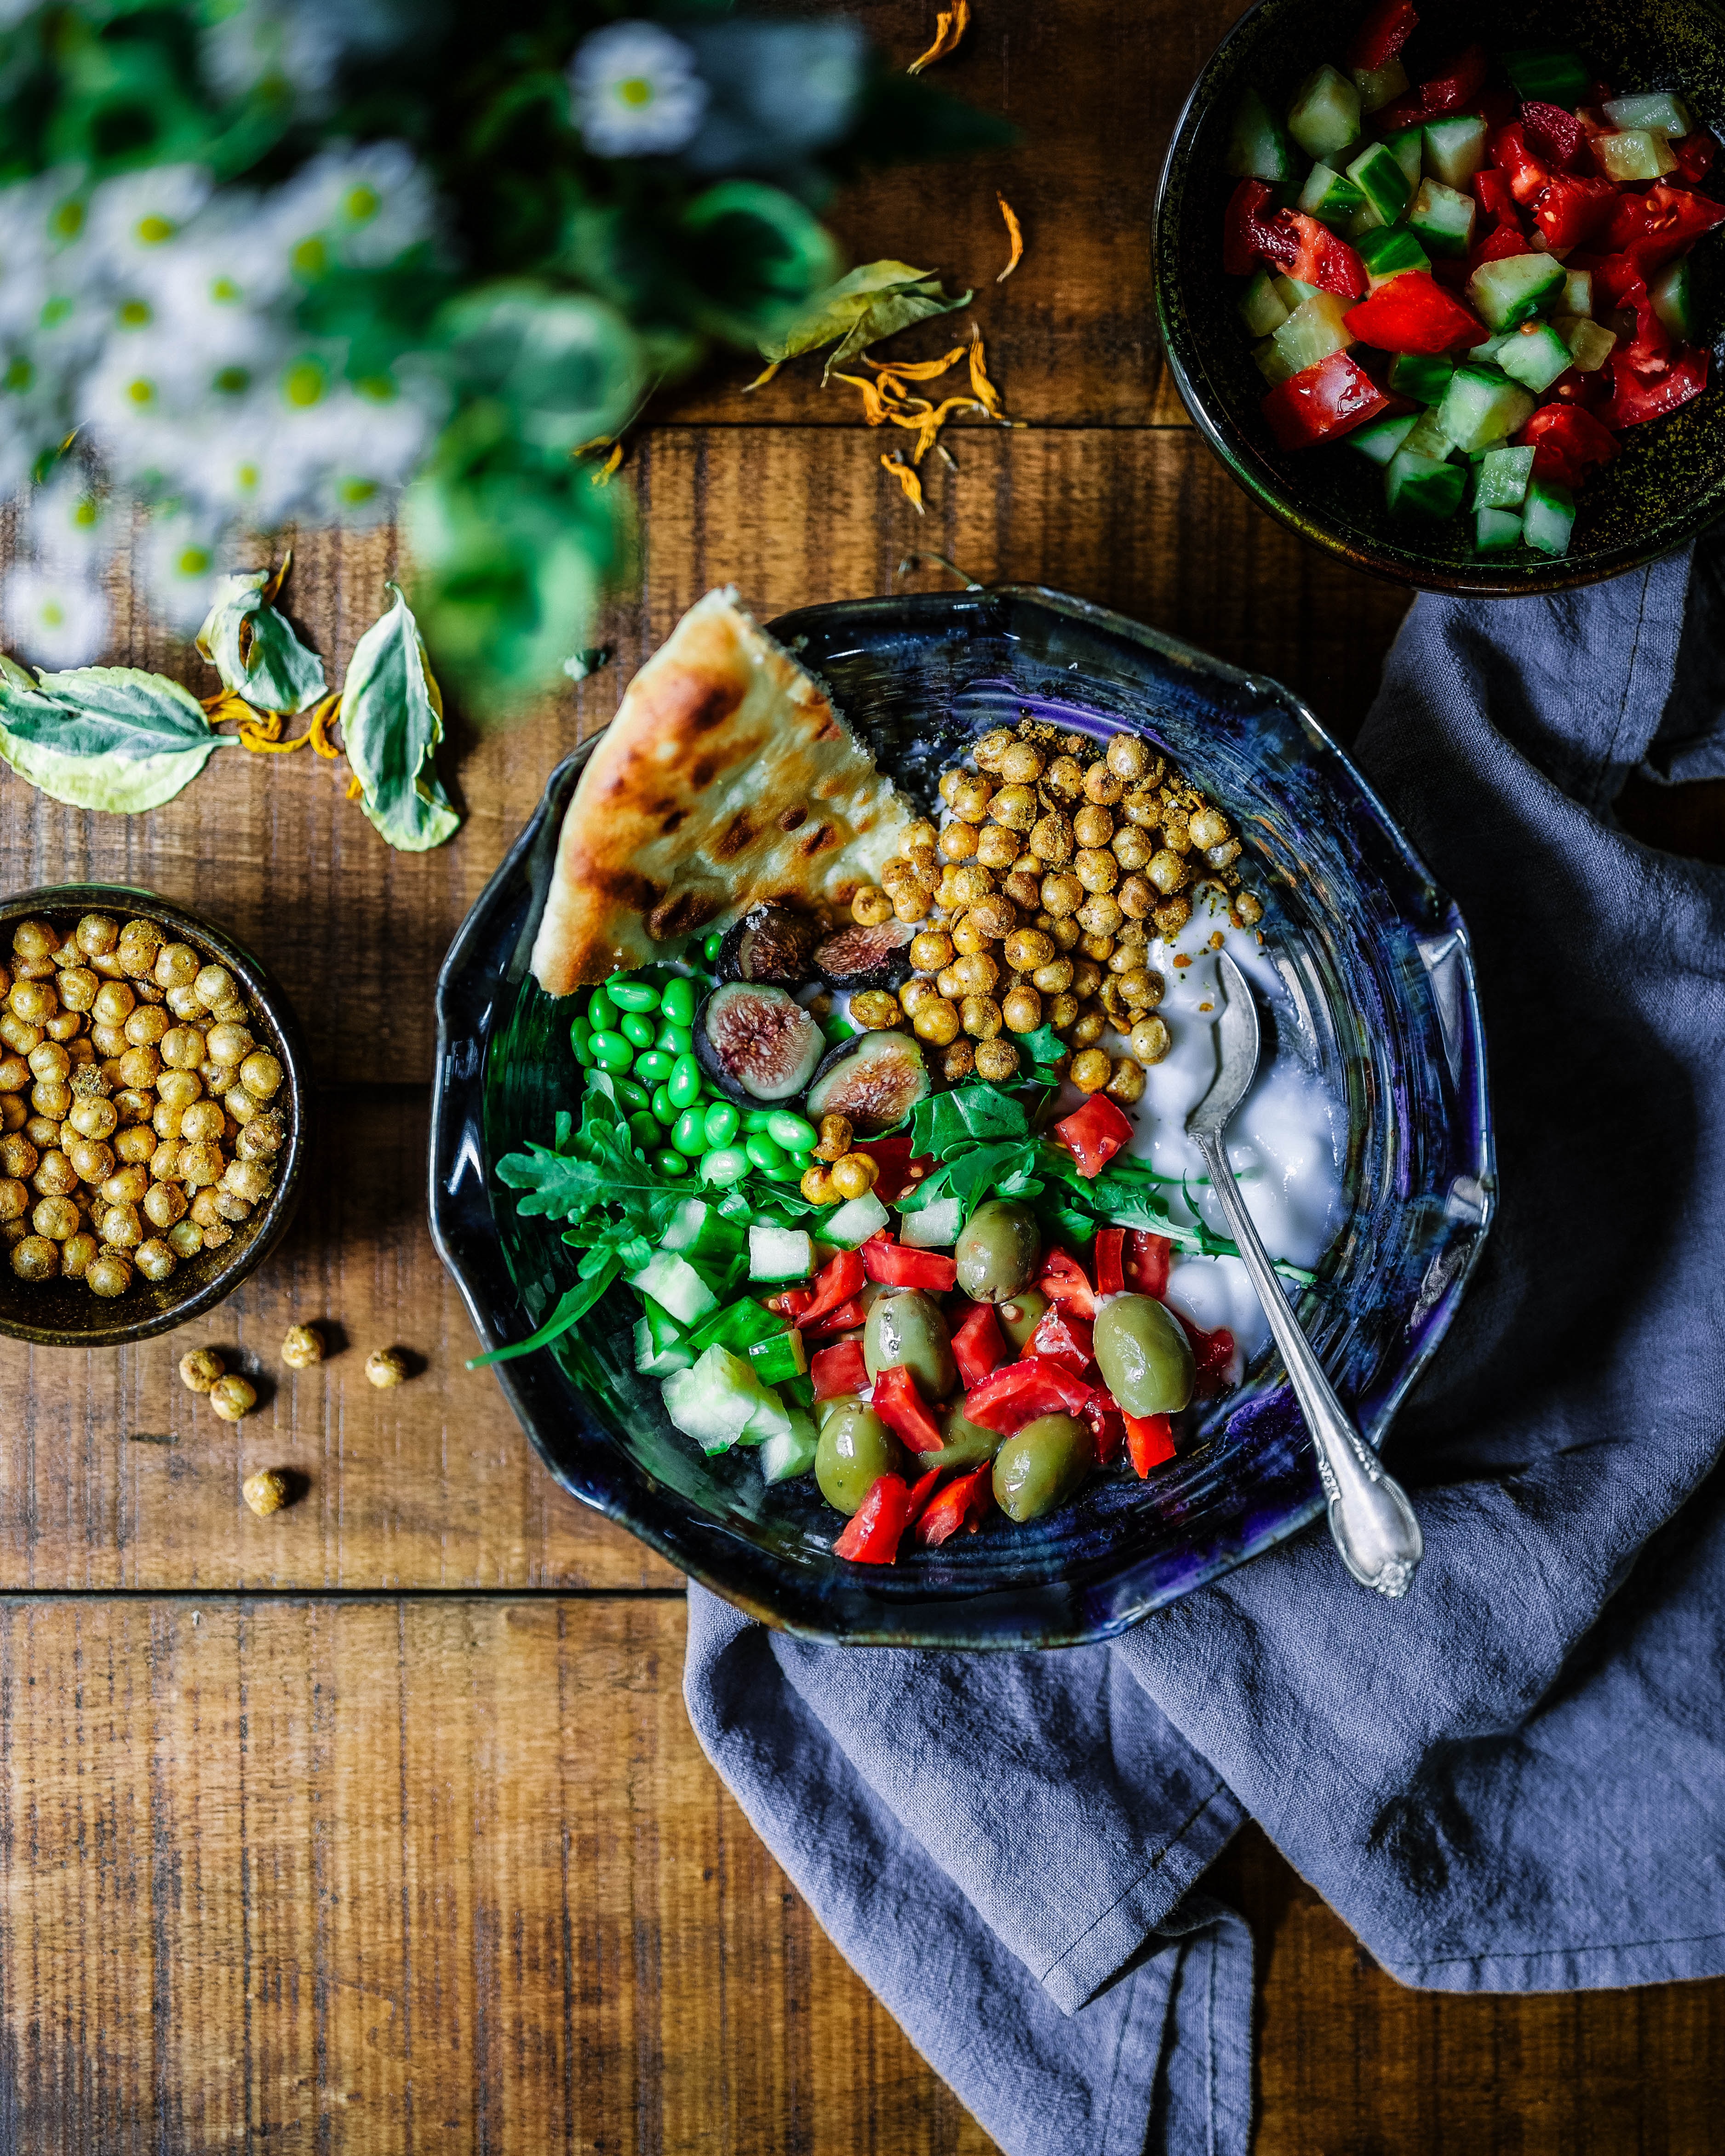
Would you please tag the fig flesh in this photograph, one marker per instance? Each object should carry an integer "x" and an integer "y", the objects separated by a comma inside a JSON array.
[
  {"x": 875, "y": 1079},
  {"x": 769, "y": 943},
  {"x": 756, "y": 1043},
  {"x": 857, "y": 958}
]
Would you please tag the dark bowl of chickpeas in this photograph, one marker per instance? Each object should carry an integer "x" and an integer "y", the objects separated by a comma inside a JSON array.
[{"x": 152, "y": 1087}]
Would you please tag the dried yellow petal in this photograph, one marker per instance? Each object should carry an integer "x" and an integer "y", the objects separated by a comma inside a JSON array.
[
  {"x": 918, "y": 370},
  {"x": 874, "y": 410},
  {"x": 762, "y": 379},
  {"x": 950, "y": 25},
  {"x": 985, "y": 390},
  {"x": 603, "y": 476},
  {"x": 907, "y": 480},
  {"x": 1015, "y": 234}
]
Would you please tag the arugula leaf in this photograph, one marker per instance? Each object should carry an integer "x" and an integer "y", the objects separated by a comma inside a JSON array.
[
  {"x": 573, "y": 1305},
  {"x": 105, "y": 737},
  {"x": 1043, "y": 1047},
  {"x": 874, "y": 302},
  {"x": 392, "y": 719},
  {"x": 253, "y": 648}
]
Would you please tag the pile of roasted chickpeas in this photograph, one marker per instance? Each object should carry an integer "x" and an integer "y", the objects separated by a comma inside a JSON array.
[
  {"x": 137, "y": 1123},
  {"x": 839, "y": 1172},
  {"x": 1035, "y": 900}
]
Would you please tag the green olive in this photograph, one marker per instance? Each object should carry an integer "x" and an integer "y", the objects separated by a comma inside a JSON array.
[
  {"x": 853, "y": 1451},
  {"x": 1020, "y": 1317},
  {"x": 907, "y": 1328},
  {"x": 1040, "y": 1466},
  {"x": 1144, "y": 1356},
  {"x": 968, "y": 1443},
  {"x": 997, "y": 1251}
]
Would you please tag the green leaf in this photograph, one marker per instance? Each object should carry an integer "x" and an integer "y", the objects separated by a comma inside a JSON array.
[
  {"x": 755, "y": 257},
  {"x": 873, "y": 302},
  {"x": 573, "y": 1305},
  {"x": 254, "y": 650},
  {"x": 1043, "y": 1045},
  {"x": 104, "y": 737},
  {"x": 392, "y": 719}
]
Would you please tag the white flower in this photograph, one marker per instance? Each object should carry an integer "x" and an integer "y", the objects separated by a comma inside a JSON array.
[
  {"x": 180, "y": 552},
  {"x": 636, "y": 91},
  {"x": 68, "y": 520},
  {"x": 131, "y": 219},
  {"x": 271, "y": 42},
  {"x": 362, "y": 206},
  {"x": 54, "y": 618}
]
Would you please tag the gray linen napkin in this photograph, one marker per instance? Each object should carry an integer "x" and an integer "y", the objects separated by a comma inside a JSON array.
[{"x": 1515, "y": 1779}]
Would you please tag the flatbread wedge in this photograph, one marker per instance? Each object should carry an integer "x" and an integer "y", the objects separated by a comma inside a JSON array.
[{"x": 725, "y": 779}]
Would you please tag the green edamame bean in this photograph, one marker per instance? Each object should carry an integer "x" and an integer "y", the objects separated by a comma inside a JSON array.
[
  {"x": 601, "y": 1012},
  {"x": 678, "y": 1002},
  {"x": 787, "y": 1172},
  {"x": 757, "y": 1120},
  {"x": 690, "y": 1135},
  {"x": 581, "y": 1040},
  {"x": 631, "y": 1098},
  {"x": 724, "y": 1165},
  {"x": 633, "y": 995},
  {"x": 1144, "y": 1356},
  {"x": 635, "y": 1030},
  {"x": 655, "y": 1066},
  {"x": 675, "y": 1040},
  {"x": 998, "y": 1250},
  {"x": 763, "y": 1153},
  {"x": 853, "y": 1451},
  {"x": 665, "y": 1109},
  {"x": 1019, "y": 1316},
  {"x": 714, "y": 944},
  {"x": 645, "y": 1133},
  {"x": 1040, "y": 1466},
  {"x": 611, "y": 1052},
  {"x": 684, "y": 1083},
  {"x": 794, "y": 1132},
  {"x": 906, "y": 1327},
  {"x": 802, "y": 1162},
  {"x": 671, "y": 1163},
  {"x": 722, "y": 1120}
]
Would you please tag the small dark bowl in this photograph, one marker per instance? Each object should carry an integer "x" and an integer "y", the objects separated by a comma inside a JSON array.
[
  {"x": 1380, "y": 997},
  {"x": 62, "y": 1313},
  {"x": 1666, "y": 483}
]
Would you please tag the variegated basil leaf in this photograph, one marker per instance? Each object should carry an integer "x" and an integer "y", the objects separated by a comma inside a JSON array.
[
  {"x": 392, "y": 721},
  {"x": 104, "y": 737},
  {"x": 253, "y": 648}
]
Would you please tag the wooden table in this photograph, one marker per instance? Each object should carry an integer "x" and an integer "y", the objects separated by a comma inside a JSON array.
[{"x": 377, "y": 1825}]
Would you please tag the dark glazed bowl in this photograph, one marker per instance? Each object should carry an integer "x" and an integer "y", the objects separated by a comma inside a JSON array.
[
  {"x": 1668, "y": 481},
  {"x": 62, "y": 1313},
  {"x": 1380, "y": 997}
]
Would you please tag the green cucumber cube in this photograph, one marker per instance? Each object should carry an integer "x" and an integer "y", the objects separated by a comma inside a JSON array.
[
  {"x": 1549, "y": 517},
  {"x": 1423, "y": 377},
  {"x": 670, "y": 1280},
  {"x": 661, "y": 1344},
  {"x": 1501, "y": 480},
  {"x": 1591, "y": 344},
  {"x": 1481, "y": 406},
  {"x": 1455, "y": 148},
  {"x": 790, "y": 1453},
  {"x": 1328, "y": 198},
  {"x": 1428, "y": 437},
  {"x": 1389, "y": 254},
  {"x": 933, "y": 1227},
  {"x": 1442, "y": 218},
  {"x": 1379, "y": 86},
  {"x": 1260, "y": 307},
  {"x": 1655, "y": 110},
  {"x": 700, "y": 1232},
  {"x": 718, "y": 1402},
  {"x": 1380, "y": 439},
  {"x": 1324, "y": 116},
  {"x": 1364, "y": 219},
  {"x": 1482, "y": 353},
  {"x": 1535, "y": 356},
  {"x": 854, "y": 1221},
  {"x": 1495, "y": 530},
  {"x": 1316, "y": 327},
  {"x": 1422, "y": 486},
  {"x": 1259, "y": 148},
  {"x": 780, "y": 1254},
  {"x": 1672, "y": 293},
  {"x": 1578, "y": 293},
  {"x": 1271, "y": 361},
  {"x": 779, "y": 1357},
  {"x": 1635, "y": 154},
  {"x": 1290, "y": 291},
  {"x": 1378, "y": 175},
  {"x": 1507, "y": 292},
  {"x": 737, "y": 1326},
  {"x": 1554, "y": 78},
  {"x": 1409, "y": 149}
]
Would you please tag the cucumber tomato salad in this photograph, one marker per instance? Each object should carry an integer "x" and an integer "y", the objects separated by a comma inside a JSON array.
[{"x": 1478, "y": 281}]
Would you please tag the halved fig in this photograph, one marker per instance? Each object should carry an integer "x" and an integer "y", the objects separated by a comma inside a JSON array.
[
  {"x": 756, "y": 1043},
  {"x": 875, "y": 1079},
  {"x": 769, "y": 943},
  {"x": 858, "y": 958}
]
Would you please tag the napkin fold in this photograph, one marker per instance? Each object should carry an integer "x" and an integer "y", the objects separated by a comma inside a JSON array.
[{"x": 1515, "y": 1780}]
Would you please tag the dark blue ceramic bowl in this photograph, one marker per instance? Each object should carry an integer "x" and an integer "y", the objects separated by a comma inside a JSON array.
[{"x": 1376, "y": 963}]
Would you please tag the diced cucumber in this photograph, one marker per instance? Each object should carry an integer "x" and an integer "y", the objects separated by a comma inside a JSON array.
[
  {"x": 782, "y": 1356},
  {"x": 771, "y": 1419},
  {"x": 670, "y": 1280},
  {"x": 1290, "y": 291},
  {"x": 1421, "y": 486},
  {"x": 1259, "y": 148},
  {"x": 1495, "y": 530},
  {"x": 1407, "y": 148},
  {"x": 1271, "y": 361},
  {"x": 1501, "y": 480},
  {"x": 1316, "y": 327},
  {"x": 1535, "y": 356},
  {"x": 1260, "y": 308},
  {"x": 1442, "y": 218},
  {"x": 1365, "y": 219},
  {"x": 1480, "y": 353},
  {"x": 1635, "y": 154},
  {"x": 739, "y": 1326},
  {"x": 936, "y": 1227},
  {"x": 1392, "y": 253},
  {"x": 1554, "y": 78},
  {"x": 1549, "y": 517},
  {"x": 1578, "y": 293},
  {"x": 792, "y": 1452},
  {"x": 719, "y": 1400},
  {"x": 1324, "y": 116},
  {"x": 1428, "y": 437},
  {"x": 1378, "y": 440},
  {"x": 780, "y": 1254},
  {"x": 698, "y": 1229},
  {"x": 1422, "y": 377},
  {"x": 1328, "y": 198},
  {"x": 662, "y": 1345},
  {"x": 1378, "y": 174},
  {"x": 1379, "y": 86},
  {"x": 1656, "y": 111},
  {"x": 1672, "y": 293},
  {"x": 855, "y": 1221},
  {"x": 1455, "y": 148},
  {"x": 1591, "y": 344},
  {"x": 1481, "y": 406},
  {"x": 1512, "y": 290}
]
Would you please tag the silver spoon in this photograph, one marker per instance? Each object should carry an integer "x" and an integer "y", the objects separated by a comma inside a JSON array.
[{"x": 1370, "y": 1517}]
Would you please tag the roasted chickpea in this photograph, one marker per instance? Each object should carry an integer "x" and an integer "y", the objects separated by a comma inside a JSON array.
[
  {"x": 15, "y": 1072},
  {"x": 975, "y": 973},
  {"x": 32, "y": 941},
  {"x": 1150, "y": 1039},
  {"x": 929, "y": 952},
  {"x": 233, "y": 1398},
  {"x": 267, "y": 1490},
  {"x": 14, "y": 1111},
  {"x": 1089, "y": 1071},
  {"x": 1142, "y": 808},
  {"x": 216, "y": 1237},
  {"x": 139, "y": 942},
  {"x": 1128, "y": 757},
  {"x": 1249, "y": 909},
  {"x": 205, "y": 1210},
  {"x": 872, "y": 1008},
  {"x": 980, "y": 1017},
  {"x": 996, "y": 1060},
  {"x": 95, "y": 934},
  {"x": 228, "y": 1045},
  {"x": 926, "y": 866},
  {"x": 108, "y": 1044},
  {"x": 870, "y": 907},
  {"x": 1167, "y": 871},
  {"x": 1089, "y": 1026},
  {"x": 33, "y": 1002},
  {"x": 855, "y": 1174},
  {"x": 992, "y": 748},
  {"x": 57, "y": 1175},
  {"x": 1051, "y": 838},
  {"x": 1209, "y": 827},
  {"x": 1086, "y": 976},
  {"x": 202, "y": 1120},
  {"x": 248, "y": 1180},
  {"x": 185, "y": 1239},
  {"x": 1100, "y": 914},
  {"x": 212, "y": 985},
  {"x": 52, "y": 1098},
  {"x": 1026, "y": 949},
  {"x": 914, "y": 994},
  {"x": 176, "y": 966},
  {"x": 64, "y": 1026},
  {"x": 1023, "y": 887},
  {"x": 1128, "y": 1083},
  {"x": 134, "y": 1142},
  {"x": 1176, "y": 830},
  {"x": 1101, "y": 787},
  {"x": 994, "y": 918},
  {"x": 179, "y": 1089},
  {"x": 14, "y": 1198},
  {"x": 164, "y": 1203},
  {"x": 1095, "y": 869},
  {"x": 49, "y": 1061},
  {"x": 918, "y": 832},
  {"x": 228, "y": 1204},
  {"x": 119, "y": 1227},
  {"x": 950, "y": 782},
  {"x": 1021, "y": 1008},
  {"x": 1099, "y": 949},
  {"x": 36, "y": 1258},
  {"x": 1135, "y": 897},
  {"x": 1124, "y": 958},
  {"x": 1053, "y": 976},
  {"x": 16, "y": 1034},
  {"x": 45, "y": 1131},
  {"x": 154, "y": 1259},
  {"x": 958, "y": 840},
  {"x": 817, "y": 1186},
  {"x": 108, "y": 1274},
  {"x": 967, "y": 939},
  {"x": 1021, "y": 764},
  {"x": 140, "y": 1068},
  {"x": 1171, "y": 915},
  {"x": 1131, "y": 848},
  {"x": 165, "y": 1161},
  {"x": 972, "y": 797},
  {"x": 936, "y": 1022},
  {"x": 18, "y": 1156},
  {"x": 1062, "y": 1009},
  {"x": 201, "y": 1164},
  {"x": 240, "y": 1105},
  {"x": 115, "y": 1002},
  {"x": 76, "y": 1253},
  {"x": 165, "y": 1119},
  {"x": 996, "y": 847},
  {"x": 1016, "y": 807},
  {"x": 126, "y": 1186},
  {"x": 1093, "y": 827},
  {"x": 56, "y": 1217},
  {"x": 911, "y": 904},
  {"x": 80, "y": 1053},
  {"x": 958, "y": 1061},
  {"x": 968, "y": 886},
  {"x": 386, "y": 1367}
]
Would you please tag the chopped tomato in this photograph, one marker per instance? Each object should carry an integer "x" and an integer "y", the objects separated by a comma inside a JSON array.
[
  {"x": 965, "y": 1502},
  {"x": 898, "y": 1170},
  {"x": 1457, "y": 84},
  {"x": 878, "y": 1526},
  {"x": 1552, "y": 134},
  {"x": 1064, "y": 1281},
  {"x": 1695, "y": 154},
  {"x": 840, "y": 1278},
  {"x": 1094, "y": 1133},
  {"x": 1490, "y": 191},
  {"x": 791, "y": 1303},
  {"x": 1656, "y": 226},
  {"x": 1567, "y": 443},
  {"x": 1111, "y": 1261},
  {"x": 978, "y": 1345},
  {"x": 1645, "y": 384},
  {"x": 1318, "y": 404},
  {"x": 1320, "y": 258},
  {"x": 1414, "y": 314},
  {"x": 1571, "y": 210},
  {"x": 1107, "y": 1427},
  {"x": 1250, "y": 235},
  {"x": 1506, "y": 239},
  {"x": 1212, "y": 1352},
  {"x": 893, "y": 1264},
  {"x": 1513, "y": 157},
  {"x": 1007, "y": 1399},
  {"x": 838, "y": 1370},
  {"x": 1149, "y": 1440},
  {"x": 900, "y": 1407},
  {"x": 1062, "y": 1336},
  {"x": 1146, "y": 1262},
  {"x": 1381, "y": 36}
]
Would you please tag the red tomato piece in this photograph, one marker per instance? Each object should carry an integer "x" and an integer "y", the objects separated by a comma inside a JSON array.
[
  {"x": 1695, "y": 154},
  {"x": 1457, "y": 84},
  {"x": 1149, "y": 1441},
  {"x": 1320, "y": 258},
  {"x": 1146, "y": 1262},
  {"x": 1551, "y": 133},
  {"x": 1571, "y": 210},
  {"x": 791, "y": 1303},
  {"x": 1111, "y": 1261},
  {"x": 1007, "y": 1399},
  {"x": 846, "y": 1318},
  {"x": 1645, "y": 385},
  {"x": 1249, "y": 236},
  {"x": 978, "y": 1345},
  {"x": 900, "y": 1407},
  {"x": 838, "y": 1279},
  {"x": 1094, "y": 1133},
  {"x": 1381, "y": 36},
  {"x": 965, "y": 1502},
  {"x": 895, "y": 1266},
  {"x": 1490, "y": 191},
  {"x": 1506, "y": 239},
  {"x": 1567, "y": 443},
  {"x": 1064, "y": 1281},
  {"x": 1318, "y": 404},
  {"x": 898, "y": 1170},
  {"x": 838, "y": 1370},
  {"x": 1414, "y": 314},
  {"x": 1107, "y": 1427},
  {"x": 1062, "y": 1336},
  {"x": 1214, "y": 1354},
  {"x": 1513, "y": 157},
  {"x": 877, "y": 1527}
]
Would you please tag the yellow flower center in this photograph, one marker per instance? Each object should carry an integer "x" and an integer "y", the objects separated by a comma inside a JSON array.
[
  {"x": 193, "y": 561},
  {"x": 310, "y": 257},
  {"x": 303, "y": 384},
  {"x": 52, "y": 614},
  {"x": 67, "y": 221},
  {"x": 135, "y": 313},
  {"x": 231, "y": 380},
  {"x": 362, "y": 203},
  {"x": 247, "y": 475},
  {"x": 152, "y": 230},
  {"x": 223, "y": 290},
  {"x": 140, "y": 392},
  {"x": 634, "y": 90}
]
